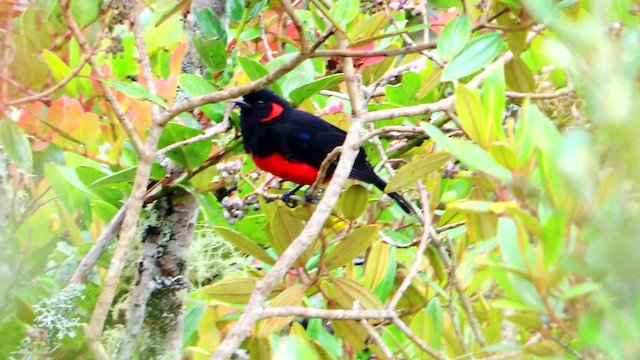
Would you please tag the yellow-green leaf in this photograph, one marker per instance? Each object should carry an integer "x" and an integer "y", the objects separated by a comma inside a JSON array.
[
  {"x": 285, "y": 227},
  {"x": 354, "y": 202},
  {"x": 471, "y": 115},
  {"x": 418, "y": 168},
  {"x": 16, "y": 144},
  {"x": 292, "y": 296},
  {"x": 376, "y": 266},
  {"x": 244, "y": 244},
  {"x": 351, "y": 246},
  {"x": 233, "y": 291}
]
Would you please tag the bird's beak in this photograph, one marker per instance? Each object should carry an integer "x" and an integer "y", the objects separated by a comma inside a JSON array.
[{"x": 243, "y": 104}]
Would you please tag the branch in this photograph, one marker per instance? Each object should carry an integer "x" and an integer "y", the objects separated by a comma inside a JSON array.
[
  {"x": 141, "y": 293},
  {"x": 418, "y": 341},
  {"x": 209, "y": 133},
  {"x": 304, "y": 45},
  {"x": 315, "y": 224},
  {"x": 102, "y": 243},
  {"x": 450, "y": 263},
  {"x": 108, "y": 94},
  {"x": 238, "y": 91},
  {"x": 424, "y": 241}
]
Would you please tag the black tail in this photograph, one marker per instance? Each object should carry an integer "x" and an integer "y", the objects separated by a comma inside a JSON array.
[
  {"x": 402, "y": 202},
  {"x": 362, "y": 171}
]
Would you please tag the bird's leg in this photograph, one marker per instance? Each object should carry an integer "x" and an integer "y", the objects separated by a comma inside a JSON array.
[{"x": 286, "y": 197}]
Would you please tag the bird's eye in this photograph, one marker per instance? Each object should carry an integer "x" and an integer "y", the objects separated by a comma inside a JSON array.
[{"x": 260, "y": 102}]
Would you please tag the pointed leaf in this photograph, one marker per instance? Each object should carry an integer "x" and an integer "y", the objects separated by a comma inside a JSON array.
[
  {"x": 354, "y": 201},
  {"x": 469, "y": 109},
  {"x": 16, "y": 144},
  {"x": 480, "y": 52},
  {"x": 305, "y": 91},
  {"x": 244, "y": 244},
  {"x": 418, "y": 168},
  {"x": 454, "y": 37},
  {"x": 351, "y": 246},
  {"x": 292, "y": 296},
  {"x": 136, "y": 91}
]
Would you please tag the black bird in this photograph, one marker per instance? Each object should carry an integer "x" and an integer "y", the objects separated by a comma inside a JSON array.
[{"x": 292, "y": 144}]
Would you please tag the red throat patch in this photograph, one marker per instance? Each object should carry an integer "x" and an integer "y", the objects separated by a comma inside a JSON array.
[{"x": 276, "y": 110}]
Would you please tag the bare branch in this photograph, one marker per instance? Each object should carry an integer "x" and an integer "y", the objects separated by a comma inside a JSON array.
[
  {"x": 421, "y": 344},
  {"x": 350, "y": 150},
  {"x": 424, "y": 241},
  {"x": 304, "y": 45},
  {"x": 102, "y": 243}
]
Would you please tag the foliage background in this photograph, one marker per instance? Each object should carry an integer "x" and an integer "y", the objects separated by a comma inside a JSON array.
[{"x": 513, "y": 126}]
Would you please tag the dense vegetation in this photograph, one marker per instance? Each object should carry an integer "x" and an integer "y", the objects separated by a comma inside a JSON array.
[{"x": 511, "y": 124}]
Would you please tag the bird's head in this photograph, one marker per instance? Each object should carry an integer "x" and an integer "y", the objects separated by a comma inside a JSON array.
[{"x": 261, "y": 106}]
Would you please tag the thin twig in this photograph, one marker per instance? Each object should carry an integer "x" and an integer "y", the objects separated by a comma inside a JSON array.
[
  {"x": 101, "y": 244},
  {"x": 263, "y": 35},
  {"x": 304, "y": 45},
  {"x": 424, "y": 241},
  {"x": 108, "y": 94},
  {"x": 208, "y": 134},
  {"x": 373, "y": 335},
  {"x": 59, "y": 85},
  {"x": 416, "y": 340},
  {"x": 451, "y": 265}
]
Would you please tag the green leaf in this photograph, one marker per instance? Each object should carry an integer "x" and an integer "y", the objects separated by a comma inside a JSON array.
[
  {"x": 305, "y": 91},
  {"x": 434, "y": 309},
  {"x": 127, "y": 176},
  {"x": 454, "y": 37},
  {"x": 404, "y": 93},
  {"x": 60, "y": 70},
  {"x": 377, "y": 265},
  {"x": 493, "y": 102},
  {"x": 191, "y": 155},
  {"x": 418, "y": 168},
  {"x": 469, "y": 110},
  {"x": 210, "y": 25},
  {"x": 480, "y": 52},
  {"x": 244, "y": 244},
  {"x": 351, "y": 246},
  {"x": 235, "y": 8},
  {"x": 194, "y": 85},
  {"x": 468, "y": 153},
  {"x": 354, "y": 202},
  {"x": 252, "y": 68},
  {"x": 344, "y": 11},
  {"x": 553, "y": 239},
  {"x": 519, "y": 76},
  {"x": 579, "y": 290},
  {"x": 16, "y": 144},
  {"x": 213, "y": 52},
  {"x": 85, "y": 11},
  {"x": 136, "y": 91},
  {"x": 192, "y": 318}
]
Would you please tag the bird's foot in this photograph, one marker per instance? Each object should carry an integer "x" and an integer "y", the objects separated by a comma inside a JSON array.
[
  {"x": 286, "y": 197},
  {"x": 313, "y": 198}
]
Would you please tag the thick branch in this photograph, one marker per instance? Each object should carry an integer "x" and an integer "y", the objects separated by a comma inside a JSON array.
[{"x": 264, "y": 287}]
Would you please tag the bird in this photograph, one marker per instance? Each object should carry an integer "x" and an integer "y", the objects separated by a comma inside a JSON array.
[{"x": 292, "y": 144}]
